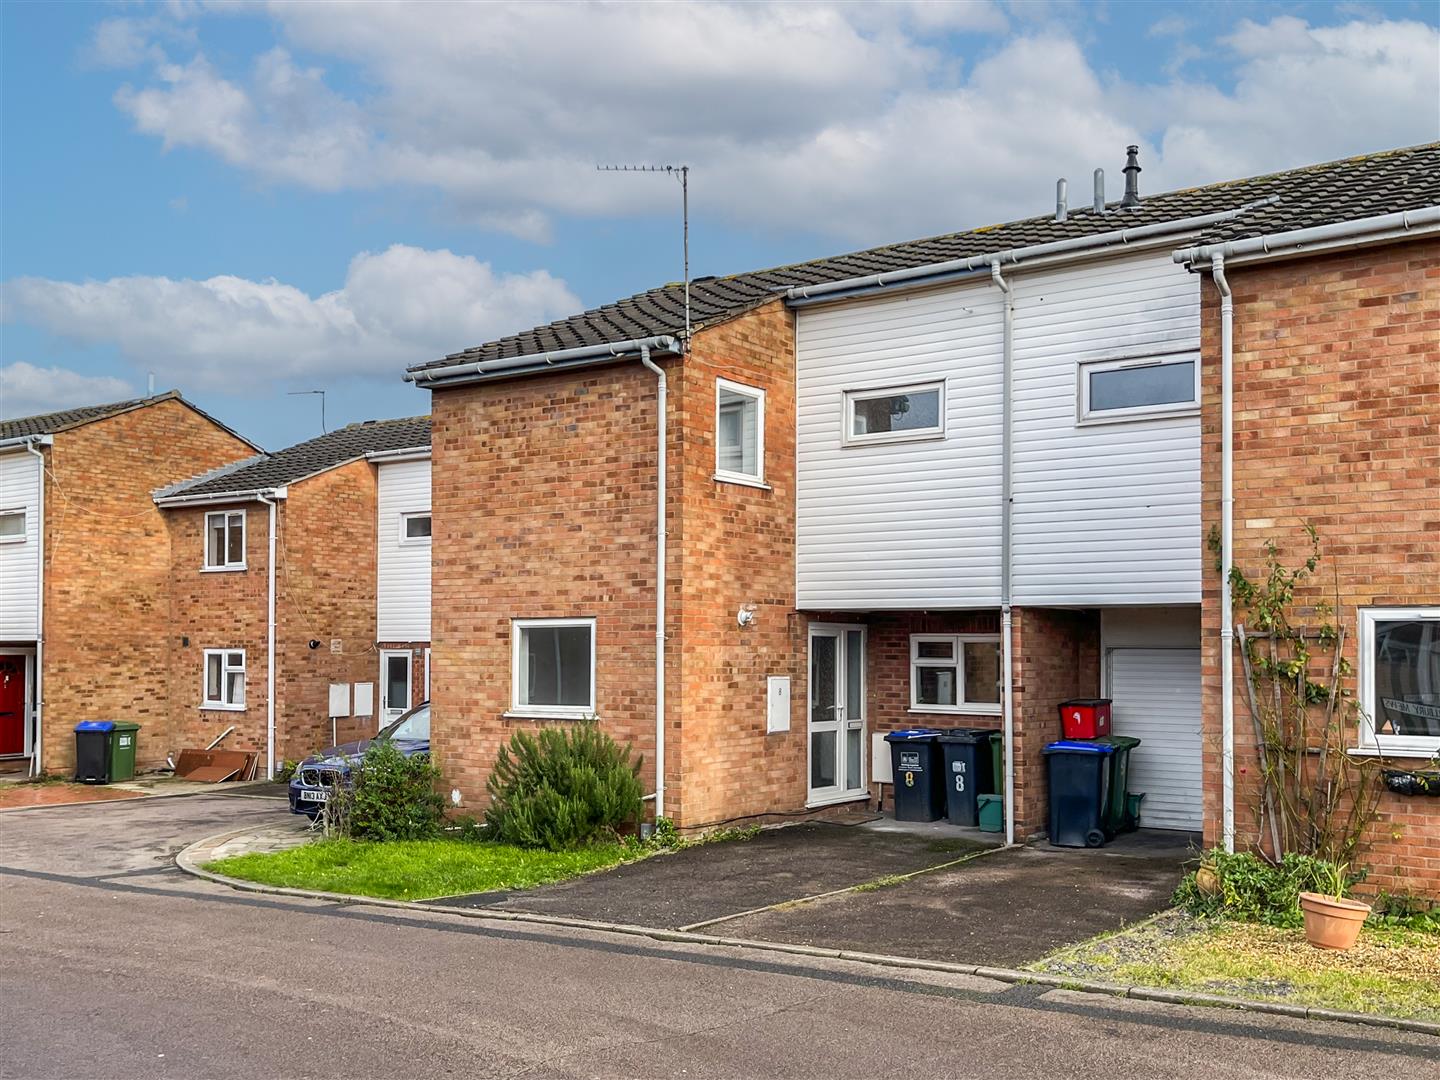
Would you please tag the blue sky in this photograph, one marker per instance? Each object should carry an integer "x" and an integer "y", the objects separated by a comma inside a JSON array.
[{"x": 253, "y": 200}]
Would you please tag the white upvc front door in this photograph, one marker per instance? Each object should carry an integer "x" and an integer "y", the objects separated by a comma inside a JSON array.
[
  {"x": 394, "y": 683},
  {"x": 836, "y": 726}
]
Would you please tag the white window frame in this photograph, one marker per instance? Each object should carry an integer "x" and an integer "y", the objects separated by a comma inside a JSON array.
[
  {"x": 414, "y": 541},
  {"x": 729, "y": 476},
  {"x": 24, "y": 512},
  {"x": 222, "y": 567},
  {"x": 957, "y": 643},
  {"x": 547, "y": 712},
  {"x": 226, "y": 669},
  {"x": 1370, "y": 742},
  {"x": 848, "y": 436},
  {"x": 1086, "y": 368}
]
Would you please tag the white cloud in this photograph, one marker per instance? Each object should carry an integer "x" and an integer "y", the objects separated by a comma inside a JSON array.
[
  {"x": 397, "y": 307},
  {"x": 858, "y": 120},
  {"x": 27, "y": 390}
]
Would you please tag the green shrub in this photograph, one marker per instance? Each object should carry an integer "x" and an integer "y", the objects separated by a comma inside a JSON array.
[
  {"x": 1247, "y": 888},
  {"x": 395, "y": 797},
  {"x": 561, "y": 787}
]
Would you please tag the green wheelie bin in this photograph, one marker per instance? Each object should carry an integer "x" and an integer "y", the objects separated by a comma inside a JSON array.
[{"x": 1118, "y": 816}]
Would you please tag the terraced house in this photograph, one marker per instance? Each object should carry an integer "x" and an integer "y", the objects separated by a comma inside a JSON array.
[
  {"x": 751, "y": 525},
  {"x": 299, "y": 584},
  {"x": 85, "y": 566}
]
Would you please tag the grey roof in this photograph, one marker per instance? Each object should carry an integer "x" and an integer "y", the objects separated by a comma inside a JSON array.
[
  {"x": 1345, "y": 190},
  {"x": 295, "y": 463},
  {"x": 65, "y": 419}
]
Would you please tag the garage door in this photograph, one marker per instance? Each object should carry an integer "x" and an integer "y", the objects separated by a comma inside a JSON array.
[{"x": 1156, "y": 695}]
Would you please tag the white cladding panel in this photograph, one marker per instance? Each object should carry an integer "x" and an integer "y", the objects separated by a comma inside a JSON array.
[
  {"x": 403, "y": 588},
  {"x": 20, "y": 562},
  {"x": 902, "y": 524},
  {"x": 1103, "y": 513}
]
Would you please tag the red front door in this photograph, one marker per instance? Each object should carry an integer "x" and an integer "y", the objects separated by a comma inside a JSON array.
[{"x": 12, "y": 704}]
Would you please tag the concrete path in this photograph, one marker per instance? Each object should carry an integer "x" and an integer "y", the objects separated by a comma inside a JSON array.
[{"x": 140, "y": 976}]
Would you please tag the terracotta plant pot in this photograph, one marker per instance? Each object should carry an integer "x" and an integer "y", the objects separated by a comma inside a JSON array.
[{"x": 1332, "y": 923}]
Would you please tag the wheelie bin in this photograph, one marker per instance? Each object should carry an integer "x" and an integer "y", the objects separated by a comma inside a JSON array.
[
  {"x": 967, "y": 772},
  {"x": 92, "y": 751},
  {"x": 1079, "y": 792},
  {"x": 1118, "y": 816},
  {"x": 916, "y": 762}
]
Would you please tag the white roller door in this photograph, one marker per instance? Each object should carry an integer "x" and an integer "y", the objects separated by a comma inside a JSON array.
[{"x": 1156, "y": 694}]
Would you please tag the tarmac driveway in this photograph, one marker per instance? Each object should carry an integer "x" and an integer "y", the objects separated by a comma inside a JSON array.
[{"x": 130, "y": 838}]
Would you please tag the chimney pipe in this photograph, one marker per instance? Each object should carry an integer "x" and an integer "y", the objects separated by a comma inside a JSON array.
[
  {"x": 1099, "y": 191},
  {"x": 1132, "y": 177},
  {"x": 1062, "y": 209}
]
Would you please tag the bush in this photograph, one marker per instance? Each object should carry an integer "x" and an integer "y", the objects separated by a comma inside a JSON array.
[
  {"x": 562, "y": 787},
  {"x": 395, "y": 797},
  {"x": 1245, "y": 887}
]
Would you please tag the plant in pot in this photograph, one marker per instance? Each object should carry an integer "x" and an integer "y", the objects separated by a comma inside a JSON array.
[{"x": 1331, "y": 920}]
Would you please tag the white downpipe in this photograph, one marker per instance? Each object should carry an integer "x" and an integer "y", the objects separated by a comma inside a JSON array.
[
  {"x": 1007, "y": 635},
  {"x": 270, "y": 650},
  {"x": 661, "y": 487},
  {"x": 1227, "y": 552},
  {"x": 37, "y": 715}
]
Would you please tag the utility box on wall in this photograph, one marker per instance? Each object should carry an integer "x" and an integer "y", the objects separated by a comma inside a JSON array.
[
  {"x": 364, "y": 699},
  {"x": 339, "y": 699},
  {"x": 777, "y": 704}
]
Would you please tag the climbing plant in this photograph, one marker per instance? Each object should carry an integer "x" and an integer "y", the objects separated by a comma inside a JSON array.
[{"x": 1316, "y": 798}]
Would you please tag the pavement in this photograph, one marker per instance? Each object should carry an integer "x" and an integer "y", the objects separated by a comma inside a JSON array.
[{"x": 113, "y": 969}]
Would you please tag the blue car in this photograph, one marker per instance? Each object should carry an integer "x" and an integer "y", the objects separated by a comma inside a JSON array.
[{"x": 319, "y": 773}]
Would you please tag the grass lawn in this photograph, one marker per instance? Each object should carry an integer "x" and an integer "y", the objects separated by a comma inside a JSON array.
[
  {"x": 416, "y": 869},
  {"x": 1393, "y": 972}
]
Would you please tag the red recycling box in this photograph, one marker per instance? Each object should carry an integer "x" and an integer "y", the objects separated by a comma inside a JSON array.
[{"x": 1085, "y": 718}]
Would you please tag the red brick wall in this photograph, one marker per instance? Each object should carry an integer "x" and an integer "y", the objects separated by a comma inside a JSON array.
[
  {"x": 1337, "y": 422},
  {"x": 543, "y": 496},
  {"x": 107, "y": 569},
  {"x": 1057, "y": 656},
  {"x": 325, "y": 592},
  {"x": 221, "y": 609},
  {"x": 737, "y": 547}
]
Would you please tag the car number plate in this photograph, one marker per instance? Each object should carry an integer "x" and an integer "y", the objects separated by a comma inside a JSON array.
[{"x": 314, "y": 796}]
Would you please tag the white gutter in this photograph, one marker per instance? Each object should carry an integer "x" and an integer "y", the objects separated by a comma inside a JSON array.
[
  {"x": 1073, "y": 245},
  {"x": 478, "y": 370},
  {"x": 176, "y": 502},
  {"x": 1386, "y": 228},
  {"x": 1007, "y": 630},
  {"x": 661, "y": 476},
  {"x": 270, "y": 646},
  {"x": 37, "y": 713},
  {"x": 409, "y": 453}
]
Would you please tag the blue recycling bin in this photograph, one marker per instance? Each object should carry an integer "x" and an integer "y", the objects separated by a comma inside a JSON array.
[
  {"x": 916, "y": 764},
  {"x": 1079, "y": 772}
]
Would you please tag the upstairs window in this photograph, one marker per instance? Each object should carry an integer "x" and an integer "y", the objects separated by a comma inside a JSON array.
[
  {"x": 553, "y": 671},
  {"x": 1139, "y": 388},
  {"x": 224, "y": 679},
  {"x": 895, "y": 413},
  {"x": 955, "y": 673},
  {"x": 1400, "y": 680},
  {"x": 12, "y": 526},
  {"x": 415, "y": 528},
  {"x": 225, "y": 540},
  {"x": 739, "y": 433}
]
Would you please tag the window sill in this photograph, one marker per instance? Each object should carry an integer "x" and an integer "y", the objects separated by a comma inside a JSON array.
[
  {"x": 960, "y": 710},
  {"x": 836, "y": 800},
  {"x": 13, "y": 539},
  {"x": 743, "y": 481},
  {"x": 887, "y": 438},
  {"x": 223, "y": 708},
  {"x": 549, "y": 714},
  {"x": 223, "y": 569},
  {"x": 1409, "y": 753},
  {"x": 1133, "y": 417}
]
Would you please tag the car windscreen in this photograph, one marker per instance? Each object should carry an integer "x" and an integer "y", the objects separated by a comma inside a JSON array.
[{"x": 414, "y": 725}]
